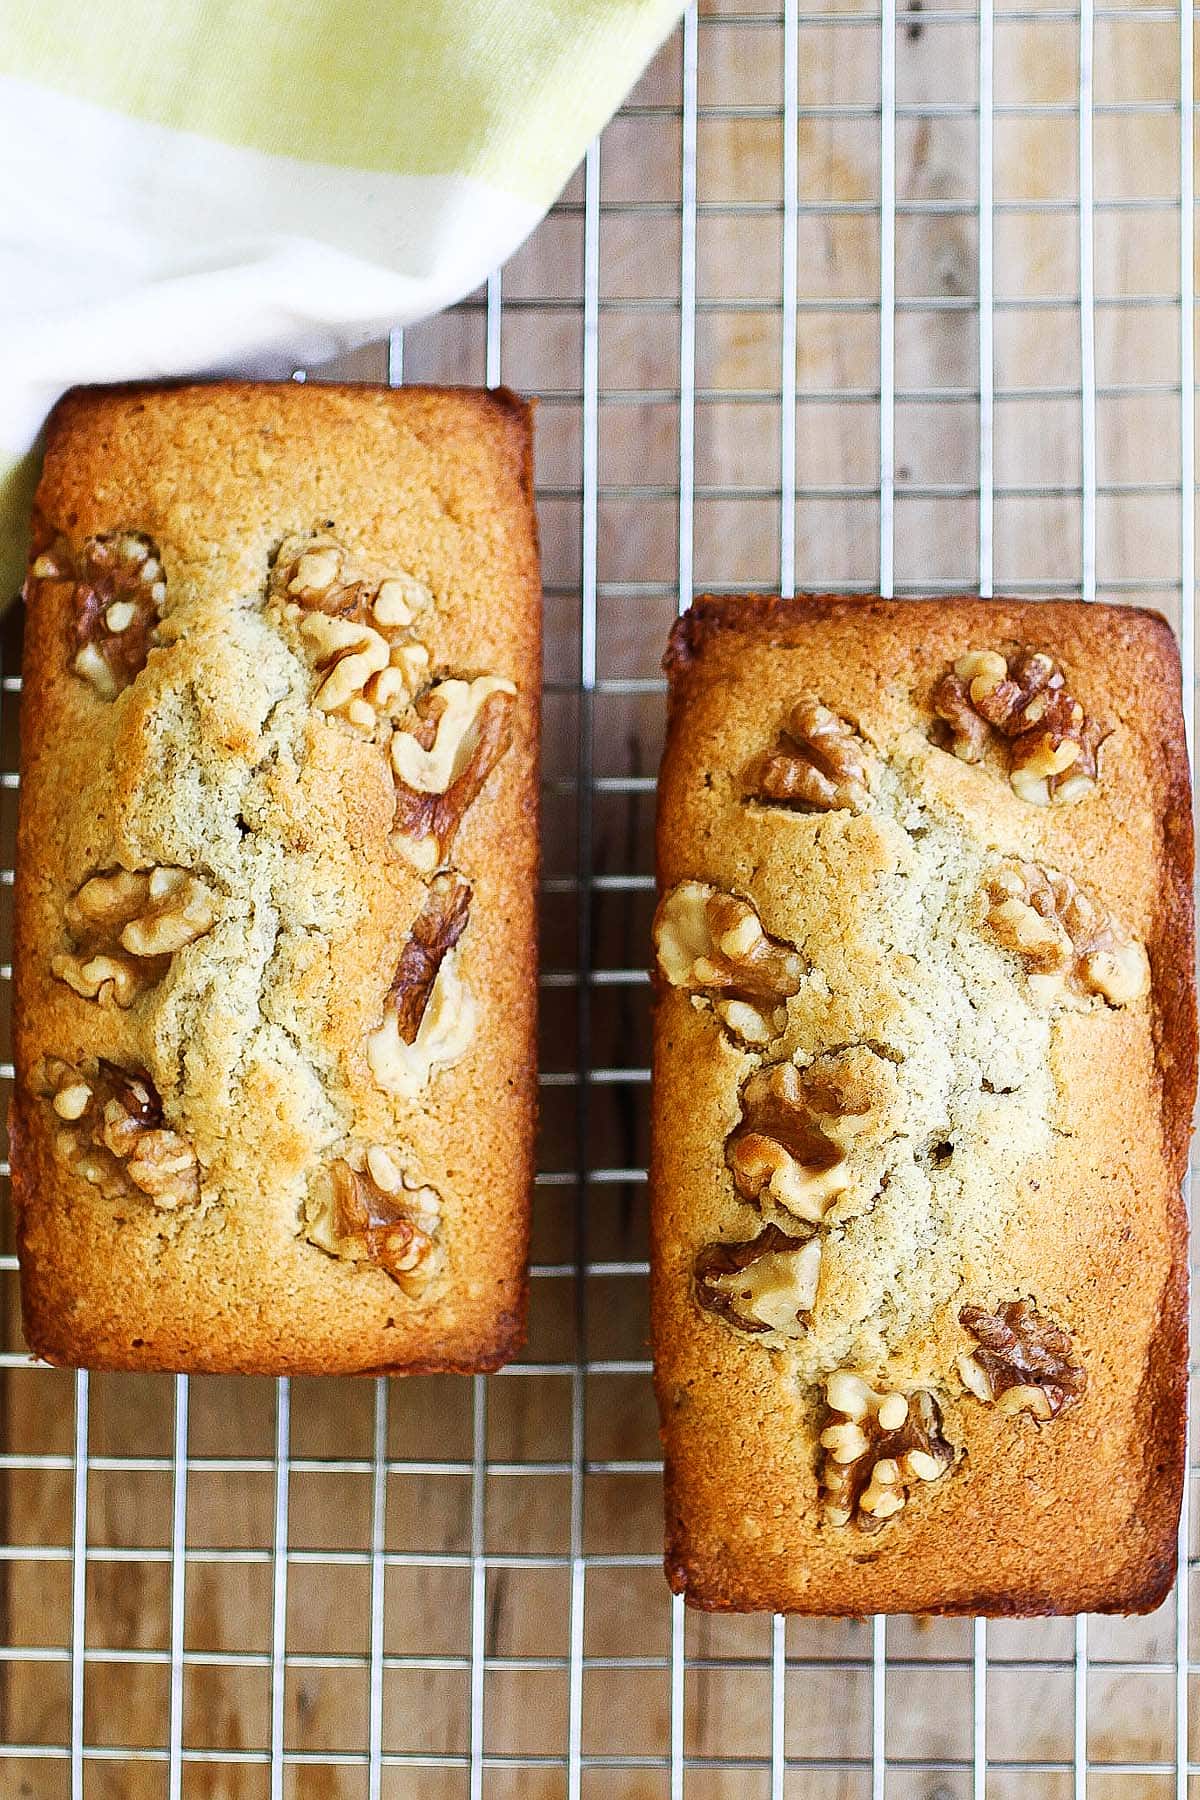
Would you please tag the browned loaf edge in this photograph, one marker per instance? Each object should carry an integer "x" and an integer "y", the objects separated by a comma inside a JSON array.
[
  {"x": 432, "y": 484},
  {"x": 1078, "y": 1513}
]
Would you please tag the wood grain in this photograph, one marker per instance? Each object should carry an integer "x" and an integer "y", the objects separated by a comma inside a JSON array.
[{"x": 1037, "y": 444}]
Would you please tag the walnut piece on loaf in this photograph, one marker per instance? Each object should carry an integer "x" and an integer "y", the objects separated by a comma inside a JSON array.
[
  {"x": 1067, "y": 942},
  {"x": 780, "y": 1152},
  {"x": 365, "y": 1208},
  {"x": 713, "y": 945},
  {"x": 442, "y": 754},
  {"x": 357, "y": 632},
  {"x": 429, "y": 1014},
  {"x": 117, "y": 596},
  {"x": 797, "y": 1125},
  {"x": 125, "y": 925},
  {"x": 1024, "y": 1361},
  {"x": 1053, "y": 744},
  {"x": 878, "y": 1446},
  {"x": 768, "y": 1283},
  {"x": 438, "y": 927},
  {"x": 819, "y": 764},
  {"x": 112, "y": 1132}
]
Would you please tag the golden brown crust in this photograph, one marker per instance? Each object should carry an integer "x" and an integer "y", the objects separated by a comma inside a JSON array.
[
  {"x": 1079, "y": 1513},
  {"x": 257, "y": 1037}
]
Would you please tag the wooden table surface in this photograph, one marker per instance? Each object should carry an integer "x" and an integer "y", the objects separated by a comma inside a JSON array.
[{"x": 526, "y": 1421}]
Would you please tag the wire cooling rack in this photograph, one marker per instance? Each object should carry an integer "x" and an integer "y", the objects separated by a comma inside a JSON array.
[{"x": 843, "y": 298}]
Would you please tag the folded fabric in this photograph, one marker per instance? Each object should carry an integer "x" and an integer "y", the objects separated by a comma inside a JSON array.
[{"x": 193, "y": 185}]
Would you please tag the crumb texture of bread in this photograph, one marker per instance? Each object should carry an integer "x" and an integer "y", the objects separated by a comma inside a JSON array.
[
  {"x": 924, "y": 1067},
  {"x": 274, "y": 958}
]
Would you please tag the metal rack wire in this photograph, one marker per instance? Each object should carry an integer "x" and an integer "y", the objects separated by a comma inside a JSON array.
[{"x": 386, "y": 1589}]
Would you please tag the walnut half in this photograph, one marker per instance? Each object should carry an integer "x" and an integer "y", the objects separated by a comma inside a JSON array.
[
  {"x": 877, "y": 1445},
  {"x": 713, "y": 945},
  {"x": 125, "y": 925},
  {"x": 366, "y": 1209},
  {"x": 354, "y": 630},
  {"x": 1024, "y": 1360},
  {"x": 766, "y": 1284},
  {"x": 819, "y": 764},
  {"x": 1053, "y": 743},
  {"x": 429, "y": 1016},
  {"x": 117, "y": 596},
  {"x": 112, "y": 1132},
  {"x": 790, "y": 1148},
  {"x": 780, "y": 1152},
  {"x": 442, "y": 754},
  {"x": 1066, "y": 941}
]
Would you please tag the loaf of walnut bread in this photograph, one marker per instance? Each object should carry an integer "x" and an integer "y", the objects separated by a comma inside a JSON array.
[
  {"x": 925, "y": 1058},
  {"x": 274, "y": 955}
]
